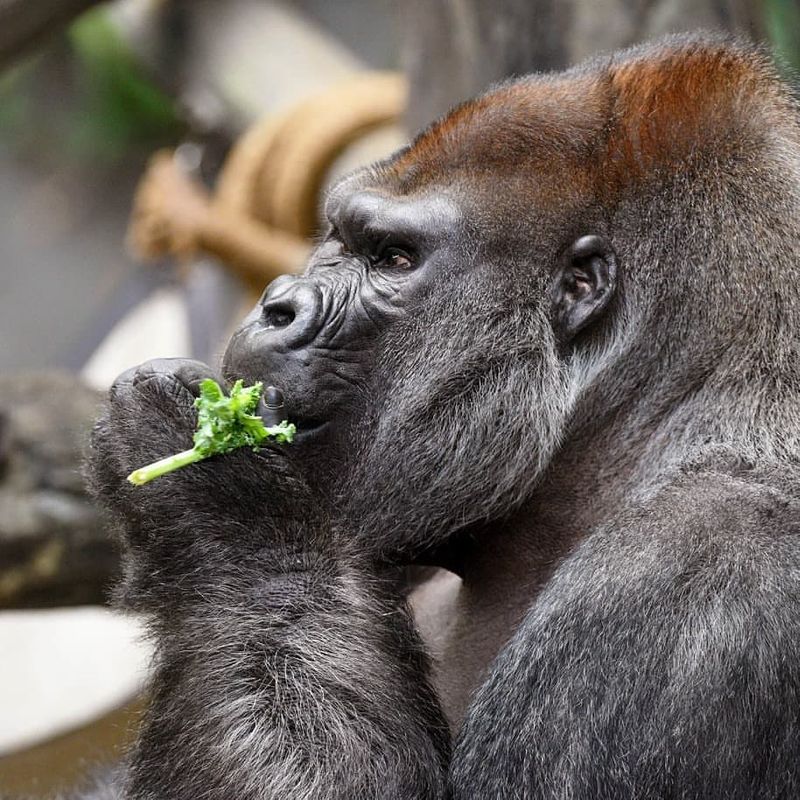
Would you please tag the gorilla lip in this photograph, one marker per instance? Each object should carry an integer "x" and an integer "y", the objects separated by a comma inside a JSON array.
[{"x": 306, "y": 429}]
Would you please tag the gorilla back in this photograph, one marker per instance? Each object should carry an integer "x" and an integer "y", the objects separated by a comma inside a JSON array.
[{"x": 552, "y": 346}]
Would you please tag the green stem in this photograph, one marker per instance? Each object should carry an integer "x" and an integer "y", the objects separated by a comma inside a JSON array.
[{"x": 169, "y": 464}]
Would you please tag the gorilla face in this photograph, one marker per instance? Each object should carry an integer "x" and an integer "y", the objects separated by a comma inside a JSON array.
[
  {"x": 421, "y": 355},
  {"x": 316, "y": 336}
]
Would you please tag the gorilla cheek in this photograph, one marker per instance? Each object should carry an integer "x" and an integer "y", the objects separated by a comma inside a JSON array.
[{"x": 469, "y": 425}]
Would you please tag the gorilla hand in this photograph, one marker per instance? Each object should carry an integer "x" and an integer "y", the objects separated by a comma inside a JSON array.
[
  {"x": 257, "y": 619},
  {"x": 183, "y": 529}
]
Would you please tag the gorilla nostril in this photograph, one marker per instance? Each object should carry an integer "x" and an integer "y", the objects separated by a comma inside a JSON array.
[
  {"x": 290, "y": 312},
  {"x": 278, "y": 315}
]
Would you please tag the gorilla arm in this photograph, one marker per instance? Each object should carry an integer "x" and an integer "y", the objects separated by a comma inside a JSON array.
[
  {"x": 285, "y": 668},
  {"x": 661, "y": 659}
]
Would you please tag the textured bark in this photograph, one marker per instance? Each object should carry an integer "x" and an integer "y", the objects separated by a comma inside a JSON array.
[
  {"x": 456, "y": 48},
  {"x": 54, "y": 549},
  {"x": 24, "y": 23}
]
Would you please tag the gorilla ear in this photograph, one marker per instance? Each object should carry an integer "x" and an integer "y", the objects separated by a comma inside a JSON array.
[{"x": 583, "y": 285}]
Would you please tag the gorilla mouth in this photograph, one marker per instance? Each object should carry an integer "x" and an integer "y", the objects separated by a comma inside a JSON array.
[{"x": 308, "y": 428}]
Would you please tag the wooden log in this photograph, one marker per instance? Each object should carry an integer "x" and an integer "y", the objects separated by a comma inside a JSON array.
[{"x": 54, "y": 548}]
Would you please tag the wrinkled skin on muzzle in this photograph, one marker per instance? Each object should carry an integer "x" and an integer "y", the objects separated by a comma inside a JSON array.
[{"x": 314, "y": 336}]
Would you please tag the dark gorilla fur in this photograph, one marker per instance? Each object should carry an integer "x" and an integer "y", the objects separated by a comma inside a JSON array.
[{"x": 572, "y": 378}]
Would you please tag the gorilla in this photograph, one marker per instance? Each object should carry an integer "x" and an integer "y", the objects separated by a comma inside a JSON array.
[{"x": 551, "y": 347}]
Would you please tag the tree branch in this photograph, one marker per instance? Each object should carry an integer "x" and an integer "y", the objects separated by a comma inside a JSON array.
[{"x": 24, "y": 23}]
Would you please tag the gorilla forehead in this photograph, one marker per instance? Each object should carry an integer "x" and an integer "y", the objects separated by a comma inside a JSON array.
[
  {"x": 610, "y": 125},
  {"x": 357, "y": 207},
  {"x": 553, "y": 153}
]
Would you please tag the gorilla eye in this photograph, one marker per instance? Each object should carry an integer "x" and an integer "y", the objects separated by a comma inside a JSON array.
[{"x": 393, "y": 258}]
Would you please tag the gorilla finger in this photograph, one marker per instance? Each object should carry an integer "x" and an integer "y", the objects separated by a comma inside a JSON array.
[
  {"x": 103, "y": 450},
  {"x": 155, "y": 394},
  {"x": 103, "y": 469},
  {"x": 122, "y": 385},
  {"x": 187, "y": 371},
  {"x": 110, "y": 459}
]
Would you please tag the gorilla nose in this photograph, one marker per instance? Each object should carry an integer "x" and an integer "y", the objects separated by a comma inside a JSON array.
[{"x": 291, "y": 307}]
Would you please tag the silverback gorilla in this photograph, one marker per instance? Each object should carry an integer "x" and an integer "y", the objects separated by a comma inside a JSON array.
[{"x": 552, "y": 346}]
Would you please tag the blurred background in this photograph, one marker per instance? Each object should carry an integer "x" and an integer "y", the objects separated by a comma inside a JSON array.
[{"x": 160, "y": 162}]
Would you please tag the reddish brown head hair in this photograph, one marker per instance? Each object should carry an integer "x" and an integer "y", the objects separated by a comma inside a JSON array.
[{"x": 614, "y": 121}]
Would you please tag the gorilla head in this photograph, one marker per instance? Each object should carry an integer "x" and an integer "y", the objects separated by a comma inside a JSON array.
[{"x": 551, "y": 266}]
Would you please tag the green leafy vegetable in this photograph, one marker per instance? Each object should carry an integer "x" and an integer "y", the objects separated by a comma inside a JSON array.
[{"x": 224, "y": 423}]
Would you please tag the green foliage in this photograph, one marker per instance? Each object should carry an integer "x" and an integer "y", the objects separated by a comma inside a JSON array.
[
  {"x": 224, "y": 423},
  {"x": 120, "y": 105},
  {"x": 782, "y": 21},
  {"x": 97, "y": 101}
]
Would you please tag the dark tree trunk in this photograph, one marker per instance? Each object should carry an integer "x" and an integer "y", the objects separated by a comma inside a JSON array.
[
  {"x": 24, "y": 23},
  {"x": 456, "y": 48}
]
